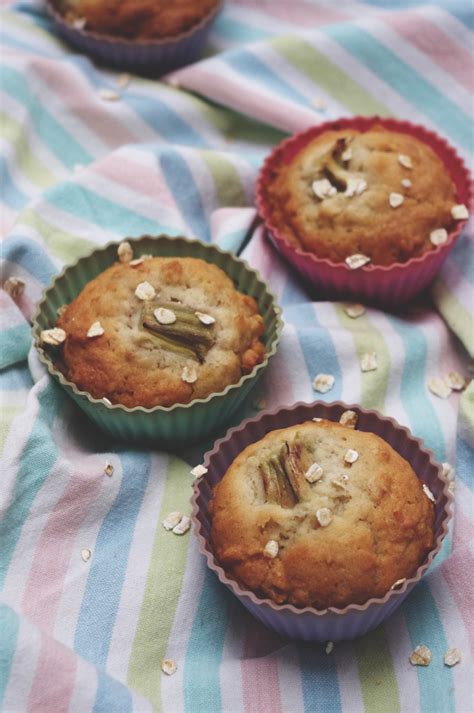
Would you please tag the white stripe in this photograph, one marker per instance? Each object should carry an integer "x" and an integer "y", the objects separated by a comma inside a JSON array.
[
  {"x": 23, "y": 667},
  {"x": 85, "y": 687},
  {"x": 20, "y": 180},
  {"x": 448, "y": 24},
  {"x": 345, "y": 347},
  {"x": 400, "y": 646},
  {"x": 348, "y": 678}
]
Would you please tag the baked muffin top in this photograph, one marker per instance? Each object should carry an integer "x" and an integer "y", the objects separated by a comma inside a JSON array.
[
  {"x": 136, "y": 19},
  {"x": 377, "y": 193},
  {"x": 160, "y": 331},
  {"x": 320, "y": 515}
]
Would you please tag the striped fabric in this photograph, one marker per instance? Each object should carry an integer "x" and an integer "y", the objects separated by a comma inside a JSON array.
[{"x": 181, "y": 156}]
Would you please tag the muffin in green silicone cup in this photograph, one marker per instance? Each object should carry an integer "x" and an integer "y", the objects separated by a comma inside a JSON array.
[{"x": 158, "y": 339}]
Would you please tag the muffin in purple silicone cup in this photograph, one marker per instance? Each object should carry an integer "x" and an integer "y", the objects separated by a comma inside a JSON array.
[
  {"x": 143, "y": 36},
  {"x": 320, "y": 518}
]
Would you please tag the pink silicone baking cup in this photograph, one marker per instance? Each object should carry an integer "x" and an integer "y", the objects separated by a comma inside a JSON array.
[
  {"x": 149, "y": 57},
  {"x": 388, "y": 285},
  {"x": 311, "y": 624}
]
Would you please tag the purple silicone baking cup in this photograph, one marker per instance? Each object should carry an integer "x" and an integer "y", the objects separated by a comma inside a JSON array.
[
  {"x": 311, "y": 624},
  {"x": 140, "y": 56}
]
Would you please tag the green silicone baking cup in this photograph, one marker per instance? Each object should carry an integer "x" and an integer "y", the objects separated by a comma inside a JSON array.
[{"x": 181, "y": 424}]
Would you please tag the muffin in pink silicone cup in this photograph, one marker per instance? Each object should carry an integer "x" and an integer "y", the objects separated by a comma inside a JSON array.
[
  {"x": 320, "y": 518},
  {"x": 143, "y": 36},
  {"x": 364, "y": 208}
]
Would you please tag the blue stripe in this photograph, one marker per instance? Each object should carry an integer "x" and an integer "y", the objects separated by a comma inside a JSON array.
[
  {"x": 205, "y": 648},
  {"x": 413, "y": 391},
  {"x": 29, "y": 255},
  {"x": 109, "y": 562},
  {"x": 29, "y": 48},
  {"x": 228, "y": 28},
  {"x": 181, "y": 183},
  {"x": 428, "y": 629},
  {"x": 405, "y": 80},
  {"x": 37, "y": 458},
  {"x": 458, "y": 8},
  {"x": 9, "y": 626},
  {"x": 463, "y": 256},
  {"x": 319, "y": 680},
  {"x": 253, "y": 68},
  {"x": 58, "y": 141},
  {"x": 87, "y": 205},
  {"x": 11, "y": 195},
  {"x": 464, "y": 461},
  {"x": 317, "y": 346},
  {"x": 112, "y": 696},
  {"x": 15, "y": 344},
  {"x": 16, "y": 378}
]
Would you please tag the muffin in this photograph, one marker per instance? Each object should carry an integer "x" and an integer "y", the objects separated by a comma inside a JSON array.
[
  {"x": 159, "y": 331},
  {"x": 321, "y": 515},
  {"x": 376, "y": 193},
  {"x": 135, "y": 19}
]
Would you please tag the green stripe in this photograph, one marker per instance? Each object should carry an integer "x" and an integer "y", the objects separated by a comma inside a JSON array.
[
  {"x": 378, "y": 680},
  {"x": 229, "y": 188},
  {"x": 368, "y": 339},
  {"x": 162, "y": 589},
  {"x": 67, "y": 247},
  {"x": 13, "y": 132},
  {"x": 457, "y": 317},
  {"x": 327, "y": 75},
  {"x": 7, "y": 414}
]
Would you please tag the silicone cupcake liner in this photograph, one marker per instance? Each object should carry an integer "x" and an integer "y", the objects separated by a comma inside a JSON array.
[
  {"x": 140, "y": 56},
  {"x": 311, "y": 624},
  {"x": 388, "y": 285},
  {"x": 181, "y": 424}
]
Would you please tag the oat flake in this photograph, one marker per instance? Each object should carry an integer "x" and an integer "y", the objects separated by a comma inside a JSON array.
[
  {"x": 109, "y": 469},
  {"x": 355, "y": 187},
  {"x": 319, "y": 104},
  {"x": 145, "y": 291},
  {"x": 347, "y": 154},
  {"x": 316, "y": 419},
  {"x": 198, "y": 471},
  {"x": 406, "y": 183},
  {"x": 439, "y": 236},
  {"x": 204, "y": 318},
  {"x": 324, "y": 516},
  {"x": 455, "y": 381},
  {"x": 79, "y": 23},
  {"x": 399, "y": 583},
  {"x": 349, "y": 419},
  {"x": 95, "y": 330},
  {"x": 459, "y": 212},
  {"x": 14, "y": 286},
  {"x": 396, "y": 199},
  {"x": 438, "y": 387},
  {"x": 171, "y": 520},
  {"x": 351, "y": 456},
  {"x": 137, "y": 261},
  {"x": 428, "y": 493},
  {"x": 421, "y": 656},
  {"x": 329, "y": 647},
  {"x": 354, "y": 310},
  {"x": 452, "y": 657},
  {"x": 405, "y": 160},
  {"x": 164, "y": 316},
  {"x": 356, "y": 261},
  {"x": 108, "y": 95},
  {"x": 168, "y": 666},
  {"x": 314, "y": 473},
  {"x": 54, "y": 337},
  {"x": 323, "y": 189},
  {"x": 189, "y": 374},
  {"x": 323, "y": 383},
  {"x": 86, "y": 554},
  {"x": 124, "y": 251},
  {"x": 271, "y": 549},
  {"x": 123, "y": 80},
  {"x": 368, "y": 362},
  {"x": 448, "y": 470},
  {"x": 183, "y": 526}
]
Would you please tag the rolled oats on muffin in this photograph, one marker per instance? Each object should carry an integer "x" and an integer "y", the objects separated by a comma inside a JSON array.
[
  {"x": 159, "y": 331},
  {"x": 135, "y": 19},
  {"x": 378, "y": 195},
  {"x": 320, "y": 515}
]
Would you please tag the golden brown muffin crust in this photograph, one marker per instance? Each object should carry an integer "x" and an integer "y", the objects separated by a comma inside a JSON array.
[
  {"x": 137, "y": 19},
  {"x": 381, "y": 528},
  {"x": 130, "y": 363},
  {"x": 339, "y": 225}
]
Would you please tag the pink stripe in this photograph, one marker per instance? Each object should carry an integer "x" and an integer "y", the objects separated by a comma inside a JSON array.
[
  {"x": 81, "y": 102},
  {"x": 435, "y": 44},
  {"x": 304, "y": 14},
  {"x": 54, "y": 549},
  {"x": 246, "y": 99},
  {"x": 54, "y": 678},
  {"x": 138, "y": 178},
  {"x": 257, "y": 666}
]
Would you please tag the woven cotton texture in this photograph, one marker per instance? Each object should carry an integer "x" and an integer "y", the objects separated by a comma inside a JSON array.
[{"x": 181, "y": 156}]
